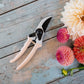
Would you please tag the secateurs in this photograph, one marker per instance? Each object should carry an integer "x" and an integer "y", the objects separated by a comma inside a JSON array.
[{"x": 36, "y": 38}]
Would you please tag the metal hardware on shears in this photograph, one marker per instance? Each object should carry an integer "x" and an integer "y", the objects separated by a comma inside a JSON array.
[{"x": 36, "y": 38}]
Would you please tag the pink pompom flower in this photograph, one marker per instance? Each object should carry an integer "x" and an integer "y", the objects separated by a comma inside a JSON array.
[
  {"x": 62, "y": 35},
  {"x": 65, "y": 55}
]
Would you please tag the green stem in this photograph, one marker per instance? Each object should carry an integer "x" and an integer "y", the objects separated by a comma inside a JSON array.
[
  {"x": 69, "y": 70},
  {"x": 78, "y": 68},
  {"x": 75, "y": 68}
]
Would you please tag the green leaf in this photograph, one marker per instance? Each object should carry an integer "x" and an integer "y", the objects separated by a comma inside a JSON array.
[
  {"x": 81, "y": 65},
  {"x": 71, "y": 73}
]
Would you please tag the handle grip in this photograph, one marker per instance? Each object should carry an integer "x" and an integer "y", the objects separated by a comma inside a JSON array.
[
  {"x": 27, "y": 43},
  {"x": 28, "y": 58}
]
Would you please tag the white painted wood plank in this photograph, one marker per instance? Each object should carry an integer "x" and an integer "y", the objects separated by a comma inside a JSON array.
[
  {"x": 17, "y": 46},
  {"x": 35, "y": 11},
  {"x": 16, "y": 25},
  {"x": 42, "y": 68},
  {"x": 77, "y": 78},
  {"x": 7, "y": 5}
]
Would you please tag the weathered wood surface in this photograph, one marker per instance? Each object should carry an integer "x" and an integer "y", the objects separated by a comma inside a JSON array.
[
  {"x": 17, "y": 46},
  {"x": 18, "y": 18},
  {"x": 77, "y": 78},
  {"x": 9, "y": 5},
  {"x": 19, "y": 23},
  {"x": 41, "y": 69}
]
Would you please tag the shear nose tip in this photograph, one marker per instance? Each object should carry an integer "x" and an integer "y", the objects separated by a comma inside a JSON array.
[
  {"x": 50, "y": 17},
  {"x": 46, "y": 22}
]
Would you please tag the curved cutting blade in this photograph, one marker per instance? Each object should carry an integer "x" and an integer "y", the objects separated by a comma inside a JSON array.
[{"x": 44, "y": 23}]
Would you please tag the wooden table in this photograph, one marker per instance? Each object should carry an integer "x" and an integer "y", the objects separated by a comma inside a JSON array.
[{"x": 19, "y": 18}]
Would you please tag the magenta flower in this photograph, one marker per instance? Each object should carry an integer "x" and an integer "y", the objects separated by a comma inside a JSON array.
[
  {"x": 65, "y": 55},
  {"x": 62, "y": 35}
]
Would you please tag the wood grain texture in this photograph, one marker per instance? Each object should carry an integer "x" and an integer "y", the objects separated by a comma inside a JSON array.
[
  {"x": 19, "y": 23},
  {"x": 77, "y": 78},
  {"x": 17, "y": 46},
  {"x": 10, "y": 5},
  {"x": 15, "y": 26},
  {"x": 42, "y": 68}
]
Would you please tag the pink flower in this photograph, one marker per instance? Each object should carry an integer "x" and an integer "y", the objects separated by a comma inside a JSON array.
[
  {"x": 65, "y": 55},
  {"x": 62, "y": 35}
]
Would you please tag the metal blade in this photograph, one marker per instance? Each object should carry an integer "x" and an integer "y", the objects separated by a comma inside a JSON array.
[{"x": 44, "y": 23}]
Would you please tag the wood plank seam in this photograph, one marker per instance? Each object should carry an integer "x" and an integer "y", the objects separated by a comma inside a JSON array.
[
  {"x": 47, "y": 62},
  {"x": 26, "y": 14},
  {"x": 57, "y": 26},
  {"x": 62, "y": 77},
  {"x": 54, "y": 27},
  {"x": 22, "y": 40},
  {"x": 18, "y": 7},
  {"x": 28, "y": 47},
  {"x": 10, "y": 30}
]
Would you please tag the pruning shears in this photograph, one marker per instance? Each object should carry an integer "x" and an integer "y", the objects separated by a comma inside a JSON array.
[{"x": 36, "y": 38}]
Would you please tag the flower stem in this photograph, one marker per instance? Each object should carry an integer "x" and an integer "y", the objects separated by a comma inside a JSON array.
[{"x": 75, "y": 68}]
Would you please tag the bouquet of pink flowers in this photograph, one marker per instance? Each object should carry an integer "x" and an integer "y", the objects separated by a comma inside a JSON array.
[{"x": 73, "y": 18}]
